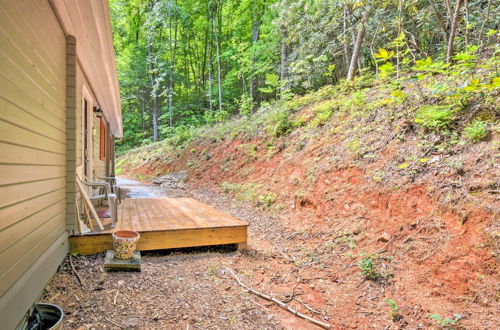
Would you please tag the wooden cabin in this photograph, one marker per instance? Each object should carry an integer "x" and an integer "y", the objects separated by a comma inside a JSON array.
[{"x": 59, "y": 115}]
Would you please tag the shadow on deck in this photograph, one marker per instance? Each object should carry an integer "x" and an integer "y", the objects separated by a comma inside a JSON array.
[{"x": 166, "y": 223}]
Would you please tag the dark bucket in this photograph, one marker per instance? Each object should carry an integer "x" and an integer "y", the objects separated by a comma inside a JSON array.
[{"x": 46, "y": 317}]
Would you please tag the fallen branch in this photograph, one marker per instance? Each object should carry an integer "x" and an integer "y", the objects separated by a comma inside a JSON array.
[
  {"x": 279, "y": 303},
  {"x": 312, "y": 310},
  {"x": 74, "y": 270}
]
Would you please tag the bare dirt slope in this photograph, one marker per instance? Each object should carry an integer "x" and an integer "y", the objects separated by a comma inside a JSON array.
[
  {"x": 313, "y": 269},
  {"x": 379, "y": 221}
]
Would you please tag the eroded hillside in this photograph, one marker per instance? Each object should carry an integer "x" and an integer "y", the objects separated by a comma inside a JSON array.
[{"x": 380, "y": 190}]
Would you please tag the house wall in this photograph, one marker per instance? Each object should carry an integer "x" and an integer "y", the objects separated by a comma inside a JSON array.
[
  {"x": 81, "y": 89},
  {"x": 98, "y": 166},
  {"x": 32, "y": 153}
]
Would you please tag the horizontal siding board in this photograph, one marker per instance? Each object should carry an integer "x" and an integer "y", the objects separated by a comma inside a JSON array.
[
  {"x": 14, "y": 92},
  {"x": 32, "y": 137},
  {"x": 26, "y": 251},
  {"x": 17, "y": 69},
  {"x": 30, "y": 118},
  {"x": 16, "y": 212},
  {"x": 20, "y": 136},
  {"x": 14, "y": 154},
  {"x": 20, "y": 192},
  {"x": 20, "y": 296},
  {"x": 12, "y": 174},
  {"x": 16, "y": 232},
  {"x": 27, "y": 29}
]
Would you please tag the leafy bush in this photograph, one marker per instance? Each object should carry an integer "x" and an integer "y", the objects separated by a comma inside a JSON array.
[
  {"x": 434, "y": 116},
  {"x": 323, "y": 113},
  {"x": 279, "y": 124},
  {"x": 476, "y": 130},
  {"x": 267, "y": 199},
  {"x": 368, "y": 268}
]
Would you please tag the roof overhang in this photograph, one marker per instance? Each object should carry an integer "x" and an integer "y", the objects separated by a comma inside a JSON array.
[{"x": 89, "y": 22}]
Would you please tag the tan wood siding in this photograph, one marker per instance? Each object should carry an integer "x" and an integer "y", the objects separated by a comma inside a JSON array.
[
  {"x": 32, "y": 136},
  {"x": 14, "y": 304}
]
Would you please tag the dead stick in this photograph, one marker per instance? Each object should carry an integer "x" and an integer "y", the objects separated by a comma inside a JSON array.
[
  {"x": 312, "y": 310},
  {"x": 74, "y": 270},
  {"x": 279, "y": 303}
]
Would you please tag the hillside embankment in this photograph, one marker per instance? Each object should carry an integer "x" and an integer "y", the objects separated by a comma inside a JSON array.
[{"x": 383, "y": 195}]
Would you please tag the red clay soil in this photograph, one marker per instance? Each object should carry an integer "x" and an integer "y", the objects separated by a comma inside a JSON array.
[{"x": 434, "y": 256}]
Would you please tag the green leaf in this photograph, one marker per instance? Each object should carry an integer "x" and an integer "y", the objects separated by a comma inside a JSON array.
[
  {"x": 266, "y": 90},
  {"x": 382, "y": 53}
]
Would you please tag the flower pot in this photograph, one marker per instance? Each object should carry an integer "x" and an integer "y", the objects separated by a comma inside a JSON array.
[
  {"x": 46, "y": 317},
  {"x": 124, "y": 243}
]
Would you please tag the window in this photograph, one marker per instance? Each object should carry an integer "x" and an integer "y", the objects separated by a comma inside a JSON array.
[{"x": 102, "y": 144}]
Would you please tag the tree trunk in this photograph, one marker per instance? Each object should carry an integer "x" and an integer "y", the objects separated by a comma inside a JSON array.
[
  {"x": 358, "y": 43},
  {"x": 152, "y": 78},
  {"x": 255, "y": 38},
  {"x": 344, "y": 36},
  {"x": 210, "y": 77},
  {"x": 440, "y": 20},
  {"x": 217, "y": 49},
  {"x": 481, "y": 31},
  {"x": 453, "y": 30},
  {"x": 283, "y": 59},
  {"x": 171, "y": 68}
]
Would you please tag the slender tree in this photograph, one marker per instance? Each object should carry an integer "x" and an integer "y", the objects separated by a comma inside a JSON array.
[{"x": 359, "y": 41}]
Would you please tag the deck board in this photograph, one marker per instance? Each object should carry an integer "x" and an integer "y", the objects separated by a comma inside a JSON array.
[{"x": 166, "y": 223}]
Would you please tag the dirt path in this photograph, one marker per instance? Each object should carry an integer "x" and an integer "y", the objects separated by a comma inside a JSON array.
[
  {"x": 177, "y": 289},
  {"x": 314, "y": 270}
]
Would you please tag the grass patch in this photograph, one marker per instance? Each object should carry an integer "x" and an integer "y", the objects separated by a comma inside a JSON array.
[
  {"x": 476, "y": 131},
  {"x": 250, "y": 192},
  {"x": 434, "y": 117}
]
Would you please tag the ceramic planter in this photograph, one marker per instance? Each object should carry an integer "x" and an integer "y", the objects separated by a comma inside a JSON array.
[
  {"x": 50, "y": 317},
  {"x": 125, "y": 243}
]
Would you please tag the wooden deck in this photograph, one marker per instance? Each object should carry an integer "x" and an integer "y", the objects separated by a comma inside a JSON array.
[{"x": 166, "y": 223}]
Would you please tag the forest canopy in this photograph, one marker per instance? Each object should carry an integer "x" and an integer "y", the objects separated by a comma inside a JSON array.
[{"x": 185, "y": 63}]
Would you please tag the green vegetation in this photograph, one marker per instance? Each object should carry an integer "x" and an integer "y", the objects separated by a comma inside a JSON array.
[
  {"x": 476, "y": 131},
  {"x": 368, "y": 268},
  {"x": 186, "y": 67},
  {"x": 448, "y": 322},
  {"x": 394, "y": 313},
  {"x": 251, "y": 193},
  {"x": 434, "y": 116}
]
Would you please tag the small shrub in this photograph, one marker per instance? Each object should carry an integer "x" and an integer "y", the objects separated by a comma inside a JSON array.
[
  {"x": 324, "y": 112},
  {"x": 368, "y": 268},
  {"x": 279, "y": 124},
  {"x": 268, "y": 199},
  {"x": 434, "y": 116},
  {"x": 447, "y": 322},
  {"x": 227, "y": 187},
  {"x": 476, "y": 131},
  {"x": 250, "y": 149},
  {"x": 212, "y": 271},
  {"x": 394, "y": 313}
]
